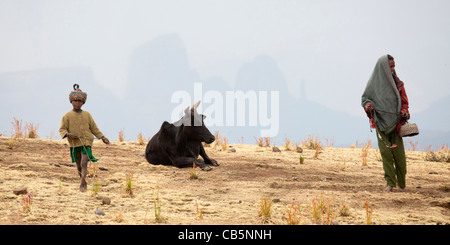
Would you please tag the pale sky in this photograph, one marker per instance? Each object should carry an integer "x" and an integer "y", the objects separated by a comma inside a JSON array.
[{"x": 331, "y": 45}]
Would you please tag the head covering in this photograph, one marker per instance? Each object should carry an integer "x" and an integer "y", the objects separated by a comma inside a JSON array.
[
  {"x": 77, "y": 94},
  {"x": 381, "y": 91}
]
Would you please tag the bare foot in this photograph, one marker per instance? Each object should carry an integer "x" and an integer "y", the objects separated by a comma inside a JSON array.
[
  {"x": 388, "y": 188},
  {"x": 83, "y": 186}
]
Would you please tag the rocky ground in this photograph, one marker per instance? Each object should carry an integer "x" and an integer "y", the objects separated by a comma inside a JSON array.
[{"x": 332, "y": 188}]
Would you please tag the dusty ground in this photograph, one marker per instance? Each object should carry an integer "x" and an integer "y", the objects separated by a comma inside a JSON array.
[{"x": 229, "y": 194}]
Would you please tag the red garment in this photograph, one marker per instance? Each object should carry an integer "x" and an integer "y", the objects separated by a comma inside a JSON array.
[{"x": 404, "y": 107}]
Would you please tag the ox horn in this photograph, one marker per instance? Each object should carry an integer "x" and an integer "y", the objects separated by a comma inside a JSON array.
[
  {"x": 194, "y": 107},
  {"x": 186, "y": 111}
]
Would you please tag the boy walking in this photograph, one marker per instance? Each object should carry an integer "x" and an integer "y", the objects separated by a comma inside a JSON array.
[{"x": 80, "y": 128}]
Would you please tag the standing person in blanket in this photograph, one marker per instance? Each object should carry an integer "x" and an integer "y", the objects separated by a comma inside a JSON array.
[{"x": 386, "y": 104}]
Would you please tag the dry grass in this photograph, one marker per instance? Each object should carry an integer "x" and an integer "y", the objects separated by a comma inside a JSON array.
[
  {"x": 31, "y": 130},
  {"x": 365, "y": 151},
  {"x": 369, "y": 213},
  {"x": 28, "y": 131},
  {"x": 259, "y": 141},
  {"x": 17, "y": 130},
  {"x": 229, "y": 194},
  {"x": 442, "y": 154},
  {"x": 193, "y": 174},
  {"x": 27, "y": 201},
  {"x": 121, "y": 136},
  {"x": 140, "y": 139},
  {"x": 293, "y": 213},
  {"x": 221, "y": 142},
  {"x": 265, "y": 210},
  {"x": 287, "y": 144}
]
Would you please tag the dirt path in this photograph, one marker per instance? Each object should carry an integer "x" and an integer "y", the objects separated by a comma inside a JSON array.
[{"x": 229, "y": 194}]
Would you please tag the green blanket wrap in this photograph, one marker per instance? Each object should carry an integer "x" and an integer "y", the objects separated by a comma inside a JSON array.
[{"x": 383, "y": 94}]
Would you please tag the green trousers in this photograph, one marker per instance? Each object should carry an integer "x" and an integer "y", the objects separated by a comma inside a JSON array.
[{"x": 394, "y": 159}]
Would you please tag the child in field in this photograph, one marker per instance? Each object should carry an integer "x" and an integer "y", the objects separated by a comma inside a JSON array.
[{"x": 79, "y": 127}]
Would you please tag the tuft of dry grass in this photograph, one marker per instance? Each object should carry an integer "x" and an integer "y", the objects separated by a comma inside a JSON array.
[
  {"x": 224, "y": 143},
  {"x": 365, "y": 151},
  {"x": 322, "y": 211},
  {"x": 221, "y": 141},
  {"x": 140, "y": 139},
  {"x": 198, "y": 210},
  {"x": 193, "y": 174},
  {"x": 265, "y": 210},
  {"x": 28, "y": 131},
  {"x": 330, "y": 142},
  {"x": 217, "y": 141},
  {"x": 263, "y": 141},
  {"x": 442, "y": 154},
  {"x": 413, "y": 145},
  {"x": 368, "y": 213},
  {"x": 17, "y": 130},
  {"x": 118, "y": 217},
  {"x": 95, "y": 187},
  {"x": 313, "y": 143},
  {"x": 121, "y": 137},
  {"x": 259, "y": 141},
  {"x": 344, "y": 209},
  {"x": 27, "y": 201},
  {"x": 92, "y": 170},
  {"x": 293, "y": 213},
  {"x": 31, "y": 130},
  {"x": 287, "y": 144}
]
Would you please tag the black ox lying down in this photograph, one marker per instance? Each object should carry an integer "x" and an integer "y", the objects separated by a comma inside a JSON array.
[{"x": 180, "y": 143}]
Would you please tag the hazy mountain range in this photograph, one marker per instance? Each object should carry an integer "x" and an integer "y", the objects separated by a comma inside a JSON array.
[{"x": 159, "y": 68}]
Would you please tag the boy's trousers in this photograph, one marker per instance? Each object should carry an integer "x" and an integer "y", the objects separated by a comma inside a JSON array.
[{"x": 394, "y": 159}]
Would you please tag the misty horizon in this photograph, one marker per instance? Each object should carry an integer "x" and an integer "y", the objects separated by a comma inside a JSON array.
[{"x": 131, "y": 58}]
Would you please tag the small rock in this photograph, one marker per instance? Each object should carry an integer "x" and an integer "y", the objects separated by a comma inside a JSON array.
[
  {"x": 99, "y": 212},
  {"x": 106, "y": 200},
  {"x": 55, "y": 164},
  {"x": 20, "y": 191},
  {"x": 276, "y": 200},
  {"x": 335, "y": 223},
  {"x": 299, "y": 149},
  {"x": 142, "y": 155},
  {"x": 274, "y": 185},
  {"x": 232, "y": 150},
  {"x": 103, "y": 169},
  {"x": 275, "y": 149}
]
